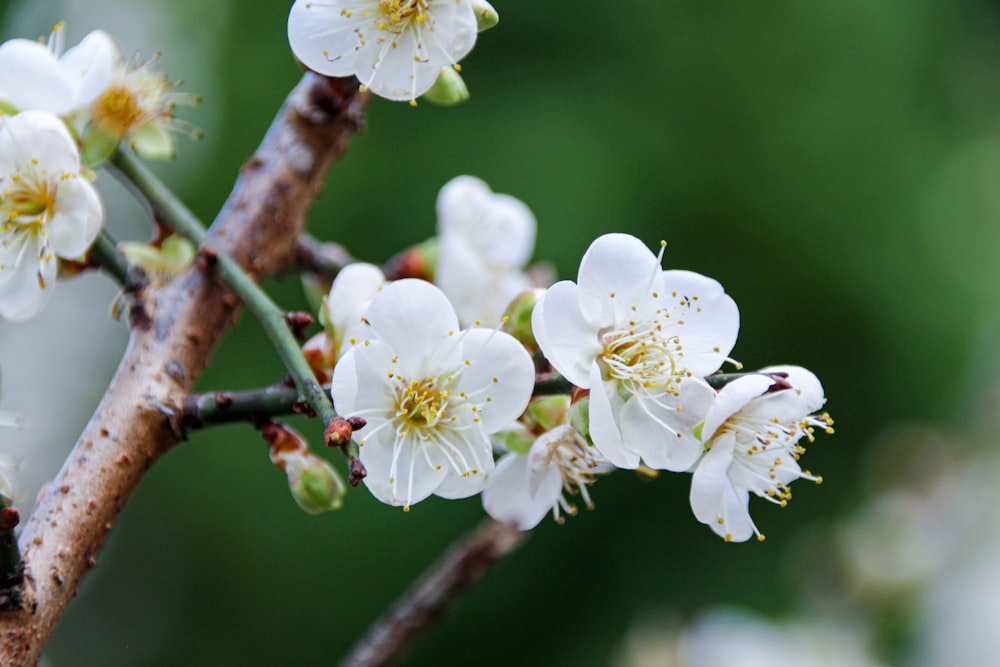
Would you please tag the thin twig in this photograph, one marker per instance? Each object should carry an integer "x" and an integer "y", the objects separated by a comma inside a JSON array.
[
  {"x": 434, "y": 593},
  {"x": 250, "y": 405},
  {"x": 169, "y": 210},
  {"x": 322, "y": 258},
  {"x": 135, "y": 421}
]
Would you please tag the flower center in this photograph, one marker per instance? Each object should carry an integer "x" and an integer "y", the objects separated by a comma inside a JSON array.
[
  {"x": 420, "y": 405},
  {"x": 29, "y": 200},
  {"x": 399, "y": 13},
  {"x": 642, "y": 356},
  {"x": 118, "y": 110}
]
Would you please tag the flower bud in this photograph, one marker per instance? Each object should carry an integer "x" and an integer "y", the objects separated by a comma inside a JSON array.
[
  {"x": 338, "y": 432},
  {"x": 448, "y": 90},
  {"x": 319, "y": 354},
  {"x": 517, "y": 317},
  {"x": 549, "y": 411},
  {"x": 315, "y": 485},
  {"x": 486, "y": 15}
]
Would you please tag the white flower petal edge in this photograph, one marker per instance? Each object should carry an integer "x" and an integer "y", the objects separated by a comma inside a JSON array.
[
  {"x": 752, "y": 433},
  {"x": 430, "y": 394},
  {"x": 396, "y": 48},
  {"x": 640, "y": 339},
  {"x": 46, "y": 208}
]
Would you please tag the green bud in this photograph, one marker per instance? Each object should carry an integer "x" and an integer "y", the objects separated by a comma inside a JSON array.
[
  {"x": 517, "y": 439},
  {"x": 448, "y": 90},
  {"x": 173, "y": 256},
  {"x": 315, "y": 485},
  {"x": 97, "y": 145},
  {"x": 486, "y": 15},
  {"x": 517, "y": 317},
  {"x": 550, "y": 411}
]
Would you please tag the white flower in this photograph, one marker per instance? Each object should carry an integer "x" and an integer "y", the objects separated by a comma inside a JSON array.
[
  {"x": 752, "y": 432},
  {"x": 640, "y": 339},
  {"x": 350, "y": 295},
  {"x": 40, "y": 77},
  {"x": 396, "y": 48},
  {"x": 526, "y": 487},
  {"x": 431, "y": 395},
  {"x": 485, "y": 241},
  {"x": 47, "y": 209}
]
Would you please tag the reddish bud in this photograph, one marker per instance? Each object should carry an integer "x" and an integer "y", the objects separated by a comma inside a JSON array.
[
  {"x": 297, "y": 322},
  {"x": 9, "y": 518},
  {"x": 319, "y": 355},
  {"x": 358, "y": 471},
  {"x": 357, "y": 423},
  {"x": 338, "y": 432}
]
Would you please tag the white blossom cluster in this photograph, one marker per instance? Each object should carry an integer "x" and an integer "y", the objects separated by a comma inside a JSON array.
[
  {"x": 62, "y": 111},
  {"x": 641, "y": 347}
]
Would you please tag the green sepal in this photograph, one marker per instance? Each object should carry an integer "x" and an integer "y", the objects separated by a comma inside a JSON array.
[
  {"x": 97, "y": 145},
  {"x": 448, "y": 90}
]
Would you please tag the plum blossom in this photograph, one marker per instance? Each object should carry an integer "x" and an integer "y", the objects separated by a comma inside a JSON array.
[
  {"x": 430, "y": 394},
  {"x": 752, "y": 432},
  {"x": 397, "y": 48},
  {"x": 485, "y": 241},
  {"x": 526, "y": 487},
  {"x": 640, "y": 339},
  {"x": 47, "y": 209}
]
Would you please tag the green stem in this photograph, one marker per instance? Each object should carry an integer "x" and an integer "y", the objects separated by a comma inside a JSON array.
[
  {"x": 252, "y": 405},
  {"x": 169, "y": 210},
  {"x": 105, "y": 253}
]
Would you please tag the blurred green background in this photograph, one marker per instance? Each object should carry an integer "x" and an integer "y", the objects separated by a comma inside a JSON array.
[{"x": 834, "y": 164}]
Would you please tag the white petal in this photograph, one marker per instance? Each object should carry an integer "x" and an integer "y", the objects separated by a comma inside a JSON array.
[
  {"x": 77, "y": 219},
  {"x": 603, "y": 423},
  {"x": 499, "y": 376},
  {"x": 413, "y": 317},
  {"x": 709, "y": 480},
  {"x": 504, "y": 235},
  {"x": 21, "y": 294},
  {"x": 89, "y": 66},
  {"x": 660, "y": 432},
  {"x": 711, "y": 320},
  {"x": 617, "y": 272},
  {"x": 325, "y": 36},
  {"x": 40, "y": 137},
  {"x": 566, "y": 339},
  {"x": 360, "y": 384},
  {"x": 351, "y": 292},
  {"x": 507, "y": 497},
  {"x": 32, "y": 78},
  {"x": 805, "y": 384},
  {"x": 475, "y": 449},
  {"x": 459, "y": 204},
  {"x": 731, "y": 399},
  {"x": 478, "y": 292},
  {"x": 401, "y": 471}
]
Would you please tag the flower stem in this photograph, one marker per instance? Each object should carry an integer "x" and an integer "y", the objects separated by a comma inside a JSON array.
[
  {"x": 325, "y": 259},
  {"x": 169, "y": 210},
  {"x": 104, "y": 252},
  {"x": 436, "y": 590}
]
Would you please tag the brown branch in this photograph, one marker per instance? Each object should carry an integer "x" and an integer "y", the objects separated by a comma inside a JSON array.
[
  {"x": 136, "y": 420},
  {"x": 434, "y": 593}
]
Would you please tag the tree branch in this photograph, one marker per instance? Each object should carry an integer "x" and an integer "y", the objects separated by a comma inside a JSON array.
[
  {"x": 434, "y": 593},
  {"x": 137, "y": 420}
]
